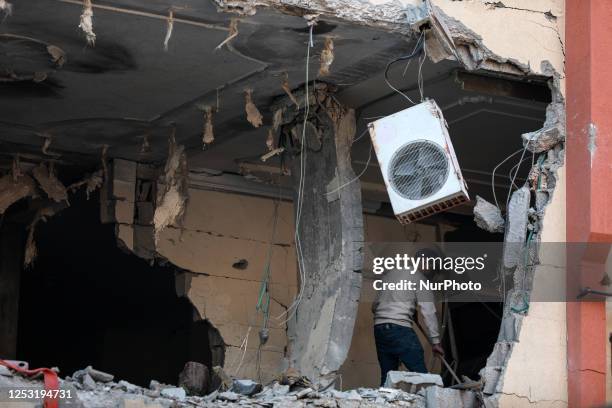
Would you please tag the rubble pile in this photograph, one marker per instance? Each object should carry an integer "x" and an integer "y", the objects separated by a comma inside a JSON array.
[{"x": 91, "y": 388}]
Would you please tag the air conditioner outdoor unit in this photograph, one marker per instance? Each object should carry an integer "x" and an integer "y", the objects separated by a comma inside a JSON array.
[{"x": 418, "y": 162}]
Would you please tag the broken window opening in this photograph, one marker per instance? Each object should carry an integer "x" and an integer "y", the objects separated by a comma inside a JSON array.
[{"x": 86, "y": 302}]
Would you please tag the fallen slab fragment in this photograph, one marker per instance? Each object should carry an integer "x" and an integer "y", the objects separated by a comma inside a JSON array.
[
  {"x": 174, "y": 393},
  {"x": 246, "y": 387},
  {"x": 88, "y": 383},
  {"x": 411, "y": 382},
  {"x": 98, "y": 375},
  {"x": 487, "y": 216},
  {"x": 448, "y": 398}
]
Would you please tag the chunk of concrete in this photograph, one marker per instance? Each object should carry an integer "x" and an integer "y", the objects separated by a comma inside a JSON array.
[
  {"x": 177, "y": 393},
  {"x": 246, "y": 387},
  {"x": 128, "y": 387},
  {"x": 88, "y": 383},
  {"x": 98, "y": 375},
  {"x": 490, "y": 377},
  {"x": 411, "y": 382},
  {"x": 449, "y": 398},
  {"x": 194, "y": 378},
  {"x": 551, "y": 134},
  {"x": 228, "y": 396},
  {"x": 5, "y": 371},
  {"x": 516, "y": 226},
  {"x": 487, "y": 216}
]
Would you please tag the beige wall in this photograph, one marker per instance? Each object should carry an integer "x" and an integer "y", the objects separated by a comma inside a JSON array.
[
  {"x": 536, "y": 374},
  {"x": 219, "y": 230}
]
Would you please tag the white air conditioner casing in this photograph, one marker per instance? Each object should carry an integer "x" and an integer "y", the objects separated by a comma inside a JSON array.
[{"x": 418, "y": 162}]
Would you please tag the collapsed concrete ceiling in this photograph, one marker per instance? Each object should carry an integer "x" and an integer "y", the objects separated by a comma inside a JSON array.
[{"x": 127, "y": 91}]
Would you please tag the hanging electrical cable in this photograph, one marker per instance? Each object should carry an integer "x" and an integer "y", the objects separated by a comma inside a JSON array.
[
  {"x": 417, "y": 50},
  {"x": 290, "y": 311},
  {"x": 493, "y": 176}
]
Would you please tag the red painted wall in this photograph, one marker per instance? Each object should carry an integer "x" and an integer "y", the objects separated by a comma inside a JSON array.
[{"x": 588, "y": 34}]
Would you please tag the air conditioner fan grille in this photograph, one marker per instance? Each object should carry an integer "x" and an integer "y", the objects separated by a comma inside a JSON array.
[{"x": 418, "y": 170}]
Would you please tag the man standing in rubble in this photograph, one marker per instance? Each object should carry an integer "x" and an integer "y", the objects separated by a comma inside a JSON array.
[{"x": 395, "y": 313}]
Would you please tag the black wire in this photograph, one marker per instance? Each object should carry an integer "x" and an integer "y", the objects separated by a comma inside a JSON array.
[{"x": 417, "y": 51}]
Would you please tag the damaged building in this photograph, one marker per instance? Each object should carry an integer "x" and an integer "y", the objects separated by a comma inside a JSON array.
[{"x": 188, "y": 192}]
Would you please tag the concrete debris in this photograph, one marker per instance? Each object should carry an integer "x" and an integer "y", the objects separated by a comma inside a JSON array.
[
  {"x": 490, "y": 376},
  {"x": 89, "y": 393},
  {"x": 14, "y": 188},
  {"x": 246, "y": 387},
  {"x": 91, "y": 182},
  {"x": 208, "y": 135},
  {"x": 88, "y": 383},
  {"x": 228, "y": 396},
  {"x": 177, "y": 393},
  {"x": 233, "y": 33},
  {"x": 58, "y": 56},
  {"x": 487, "y": 216},
  {"x": 270, "y": 139},
  {"x": 86, "y": 23},
  {"x": 516, "y": 227},
  {"x": 98, "y": 375},
  {"x": 277, "y": 118},
  {"x": 5, "y": 371},
  {"x": 349, "y": 395},
  {"x": 128, "y": 387},
  {"x": 410, "y": 381},
  {"x": 449, "y": 398},
  {"x": 551, "y": 134},
  {"x": 173, "y": 194},
  {"x": 272, "y": 153},
  {"x": 169, "y": 28},
  {"x": 49, "y": 183},
  {"x": 194, "y": 378},
  {"x": 287, "y": 88},
  {"x": 327, "y": 57},
  {"x": 253, "y": 115},
  {"x": 304, "y": 393},
  {"x": 292, "y": 377}
]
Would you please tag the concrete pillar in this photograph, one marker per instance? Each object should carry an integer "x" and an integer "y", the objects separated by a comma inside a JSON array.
[
  {"x": 589, "y": 177},
  {"x": 330, "y": 241}
]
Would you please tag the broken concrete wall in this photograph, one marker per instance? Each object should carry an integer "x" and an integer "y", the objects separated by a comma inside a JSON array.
[
  {"x": 223, "y": 244},
  {"x": 536, "y": 364},
  {"x": 221, "y": 231}
]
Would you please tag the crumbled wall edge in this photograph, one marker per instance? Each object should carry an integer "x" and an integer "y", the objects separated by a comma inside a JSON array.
[{"x": 497, "y": 363}]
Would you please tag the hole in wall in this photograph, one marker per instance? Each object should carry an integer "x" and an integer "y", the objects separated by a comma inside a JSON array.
[
  {"x": 85, "y": 302},
  {"x": 241, "y": 264}
]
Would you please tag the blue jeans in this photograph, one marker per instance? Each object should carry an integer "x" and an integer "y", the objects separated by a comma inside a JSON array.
[{"x": 395, "y": 343}]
